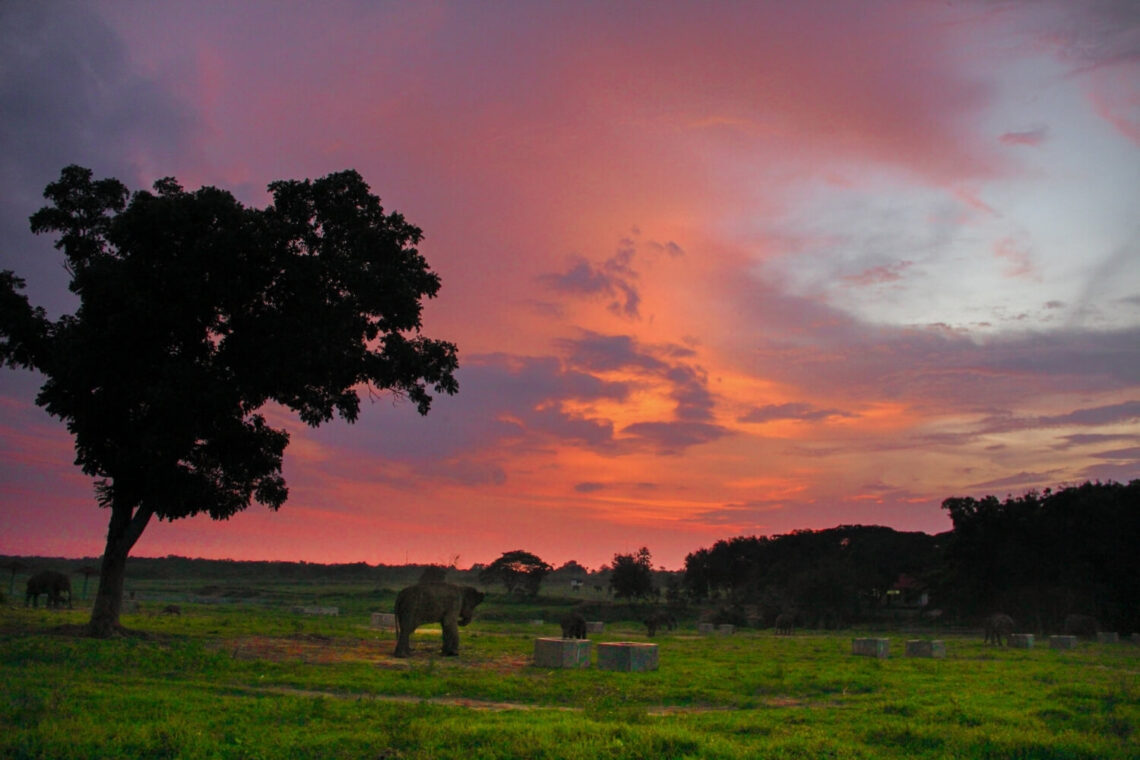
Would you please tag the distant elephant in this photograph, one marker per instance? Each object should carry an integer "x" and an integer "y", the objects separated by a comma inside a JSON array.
[
  {"x": 573, "y": 626},
  {"x": 998, "y": 627},
  {"x": 443, "y": 603},
  {"x": 1081, "y": 625},
  {"x": 784, "y": 623},
  {"x": 658, "y": 619},
  {"x": 51, "y": 583}
]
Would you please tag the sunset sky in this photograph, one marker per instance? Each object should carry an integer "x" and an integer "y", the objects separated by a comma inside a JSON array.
[{"x": 713, "y": 269}]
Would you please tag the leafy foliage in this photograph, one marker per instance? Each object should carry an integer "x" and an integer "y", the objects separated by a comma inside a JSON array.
[
  {"x": 632, "y": 575},
  {"x": 518, "y": 571},
  {"x": 195, "y": 312}
]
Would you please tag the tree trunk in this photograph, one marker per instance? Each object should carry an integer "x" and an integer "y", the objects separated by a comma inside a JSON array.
[{"x": 125, "y": 528}]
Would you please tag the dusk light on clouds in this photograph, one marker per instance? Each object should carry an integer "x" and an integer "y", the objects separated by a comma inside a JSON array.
[{"x": 713, "y": 269}]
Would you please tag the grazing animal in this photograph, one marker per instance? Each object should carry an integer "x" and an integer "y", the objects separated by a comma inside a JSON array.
[
  {"x": 444, "y": 603},
  {"x": 784, "y": 623},
  {"x": 49, "y": 582},
  {"x": 657, "y": 620},
  {"x": 998, "y": 627},
  {"x": 1081, "y": 625},
  {"x": 172, "y": 609},
  {"x": 573, "y": 626}
]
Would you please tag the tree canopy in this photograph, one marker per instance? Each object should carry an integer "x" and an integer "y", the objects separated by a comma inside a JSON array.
[
  {"x": 194, "y": 313},
  {"x": 632, "y": 575},
  {"x": 518, "y": 571}
]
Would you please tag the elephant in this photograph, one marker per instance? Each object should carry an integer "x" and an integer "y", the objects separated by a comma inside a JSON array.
[
  {"x": 49, "y": 582},
  {"x": 998, "y": 627},
  {"x": 445, "y": 603},
  {"x": 784, "y": 623},
  {"x": 658, "y": 619},
  {"x": 1081, "y": 625},
  {"x": 573, "y": 626}
]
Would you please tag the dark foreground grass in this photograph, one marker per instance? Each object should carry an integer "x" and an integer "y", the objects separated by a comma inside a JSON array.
[{"x": 256, "y": 683}]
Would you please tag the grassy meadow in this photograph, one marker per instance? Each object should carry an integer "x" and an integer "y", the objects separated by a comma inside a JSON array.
[{"x": 238, "y": 675}]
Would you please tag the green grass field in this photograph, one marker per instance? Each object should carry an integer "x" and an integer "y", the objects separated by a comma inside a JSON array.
[{"x": 245, "y": 678}]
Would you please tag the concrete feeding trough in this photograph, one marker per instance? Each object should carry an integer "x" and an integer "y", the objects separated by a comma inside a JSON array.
[
  {"x": 595, "y": 626},
  {"x": 1021, "y": 640},
  {"x": 385, "y": 620},
  {"x": 879, "y": 648},
  {"x": 1108, "y": 637},
  {"x": 1062, "y": 642},
  {"x": 924, "y": 648},
  {"x": 627, "y": 656},
  {"x": 561, "y": 653},
  {"x": 726, "y": 629},
  {"x": 705, "y": 628}
]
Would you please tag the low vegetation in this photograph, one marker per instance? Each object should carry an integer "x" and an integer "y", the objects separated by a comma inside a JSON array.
[{"x": 244, "y": 676}]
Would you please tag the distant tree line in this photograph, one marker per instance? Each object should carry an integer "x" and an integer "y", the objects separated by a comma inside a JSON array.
[{"x": 1037, "y": 557}]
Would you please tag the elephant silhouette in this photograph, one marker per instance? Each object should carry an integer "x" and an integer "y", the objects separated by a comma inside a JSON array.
[
  {"x": 998, "y": 627},
  {"x": 49, "y": 582},
  {"x": 573, "y": 626},
  {"x": 784, "y": 623},
  {"x": 445, "y": 603}
]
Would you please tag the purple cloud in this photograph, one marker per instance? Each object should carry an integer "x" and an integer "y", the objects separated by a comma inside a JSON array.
[{"x": 790, "y": 411}]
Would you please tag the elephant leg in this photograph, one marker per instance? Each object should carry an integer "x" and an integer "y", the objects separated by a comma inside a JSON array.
[
  {"x": 450, "y": 624},
  {"x": 404, "y": 639}
]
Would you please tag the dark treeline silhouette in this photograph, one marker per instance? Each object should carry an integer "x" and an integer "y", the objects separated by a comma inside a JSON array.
[
  {"x": 1043, "y": 556},
  {"x": 1038, "y": 557},
  {"x": 828, "y": 578}
]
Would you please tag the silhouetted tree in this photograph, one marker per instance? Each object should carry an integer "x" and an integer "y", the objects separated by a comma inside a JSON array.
[
  {"x": 632, "y": 575},
  {"x": 1042, "y": 556},
  {"x": 516, "y": 570},
  {"x": 194, "y": 313}
]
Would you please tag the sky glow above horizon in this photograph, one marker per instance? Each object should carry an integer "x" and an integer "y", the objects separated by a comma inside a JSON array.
[{"x": 713, "y": 269}]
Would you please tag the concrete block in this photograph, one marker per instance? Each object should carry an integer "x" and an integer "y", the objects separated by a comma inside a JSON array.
[
  {"x": 1062, "y": 642},
  {"x": 1136, "y": 638},
  {"x": 595, "y": 626},
  {"x": 385, "y": 620},
  {"x": 561, "y": 653},
  {"x": 871, "y": 647},
  {"x": 1021, "y": 640},
  {"x": 1108, "y": 637},
  {"x": 705, "y": 628},
  {"x": 627, "y": 656},
  {"x": 726, "y": 629},
  {"x": 537, "y": 622},
  {"x": 925, "y": 648}
]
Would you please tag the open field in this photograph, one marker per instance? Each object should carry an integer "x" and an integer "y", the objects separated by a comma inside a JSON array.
[{"x": 237, "y": 675}]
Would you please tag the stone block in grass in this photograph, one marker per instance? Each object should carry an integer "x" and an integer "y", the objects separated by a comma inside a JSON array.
[
  {"x": 627, "y": 656},
  {"x": 1062, "y": 642},
  {"x": 705, "y": 628},
  {"x": 313, "y": 610},
  {"x": 561, "y": 653},
  {"x": 537, "y": 622},
  {"x": 1021, "y": 640},
  {"x": 386, "y": 620},
  {"x": 1108, "y": 637},
  {"x": 925, "y": 648},
  {"x": 726, "y": 629},
  {"x": 595, "y": 626},
  {"x": 871, "y": 647}
]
